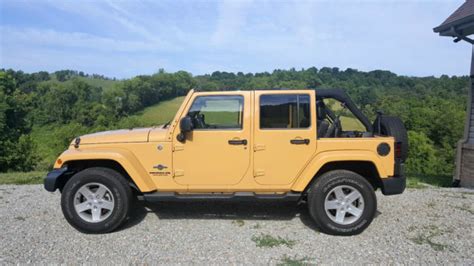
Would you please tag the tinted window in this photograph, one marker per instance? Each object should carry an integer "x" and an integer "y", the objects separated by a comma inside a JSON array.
[
  {"x": 208, "y": 112},
  {"x": 284, "y": 111}
]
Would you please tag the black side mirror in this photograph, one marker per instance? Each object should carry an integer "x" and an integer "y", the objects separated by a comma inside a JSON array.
[{"x": 185, "y": 126}]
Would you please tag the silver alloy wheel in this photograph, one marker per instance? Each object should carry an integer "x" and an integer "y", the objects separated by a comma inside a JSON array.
[
  {"x": 344, "y": 204},
  {"x": 94, "y": 202}
]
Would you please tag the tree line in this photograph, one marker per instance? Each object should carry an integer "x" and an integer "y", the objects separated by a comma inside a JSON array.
[{"x": 41, "y": 112}]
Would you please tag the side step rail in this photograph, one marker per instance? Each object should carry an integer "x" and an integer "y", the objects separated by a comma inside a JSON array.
[{"x": 237, "y": 196}]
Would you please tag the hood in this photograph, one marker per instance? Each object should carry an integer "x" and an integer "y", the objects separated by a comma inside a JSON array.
[{"x": 116, "y": 136}]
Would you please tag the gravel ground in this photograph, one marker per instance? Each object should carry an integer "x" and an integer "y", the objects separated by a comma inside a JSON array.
[{"x": 421, "y": 226}]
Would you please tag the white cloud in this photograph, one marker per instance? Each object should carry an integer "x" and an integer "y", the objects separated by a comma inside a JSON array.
[{"x": 52, "y": 38}]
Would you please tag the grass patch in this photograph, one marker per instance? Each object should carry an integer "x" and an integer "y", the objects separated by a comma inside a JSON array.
[
  {"x": 427, "y": 235},
  {"x": 421, "y": 181},
  {"x": 20, "y": 218},
  {"x": 238, "y": 223},
  {"x": 268, "y": 241},
  {"x": 19, "y": 178},
  {"x": 257, "y": 226},
  {"x": 294, "y": 261}
]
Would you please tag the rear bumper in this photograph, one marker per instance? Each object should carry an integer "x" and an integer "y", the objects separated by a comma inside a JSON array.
[
  {"x": 54, "y": 180},
  {"x": 396, "y": 184}
]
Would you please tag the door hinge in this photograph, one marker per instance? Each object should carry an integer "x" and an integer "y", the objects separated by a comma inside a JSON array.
[
  {"x": 178, "y": 172},
  {"x": 259, "y": 147},
  {"x": 259, "y": 172},
  {"x": 178, "y": 147}
]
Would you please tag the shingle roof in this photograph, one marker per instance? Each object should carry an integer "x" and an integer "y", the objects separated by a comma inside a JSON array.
[{"x": 462, "y": 21}]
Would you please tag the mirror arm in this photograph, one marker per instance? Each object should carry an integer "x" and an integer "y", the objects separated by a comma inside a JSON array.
[{"x": 181, "y": 137}]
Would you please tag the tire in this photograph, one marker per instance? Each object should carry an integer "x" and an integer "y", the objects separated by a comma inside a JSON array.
[
  {"x": 322, "y": 194},
  {"x": 393, "y": 126},
  {"x": 102, "y": 194}
]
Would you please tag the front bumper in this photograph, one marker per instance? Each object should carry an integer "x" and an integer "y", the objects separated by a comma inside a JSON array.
[
  {"x": 55, "y": 179},
  {"x": 396, "y": 184}
]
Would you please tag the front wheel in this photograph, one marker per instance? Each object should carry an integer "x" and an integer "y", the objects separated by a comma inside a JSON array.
[
  {"x": 96, "y": 200},
  {"x": 342, "y": 202}
]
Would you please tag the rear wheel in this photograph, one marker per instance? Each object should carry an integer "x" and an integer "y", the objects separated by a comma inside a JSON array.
[
  {"x": 96, "y": 200},
  {"x": 342, "y": 202}
]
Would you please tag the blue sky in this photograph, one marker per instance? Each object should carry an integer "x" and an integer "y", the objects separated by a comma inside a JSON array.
[{"x": 126, "y": 38}]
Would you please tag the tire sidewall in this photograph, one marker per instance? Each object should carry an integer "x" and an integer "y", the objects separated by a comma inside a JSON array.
[
  {"x": 393, "y": 126},
  {"x": 321, "y": 191},
  {"x": 119, "y": 193}
]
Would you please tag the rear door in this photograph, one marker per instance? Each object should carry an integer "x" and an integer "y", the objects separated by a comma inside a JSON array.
[{"x": 285, "y": 135}]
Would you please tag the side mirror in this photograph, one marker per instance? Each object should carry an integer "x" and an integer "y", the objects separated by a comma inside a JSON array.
[{"x": 185, "y": 126}]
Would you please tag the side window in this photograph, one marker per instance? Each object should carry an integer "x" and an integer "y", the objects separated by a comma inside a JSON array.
[
  {"x": 349, "y": 121},
  {"x": 284, "y": 111},
  {"x": 217, "y": 112}
]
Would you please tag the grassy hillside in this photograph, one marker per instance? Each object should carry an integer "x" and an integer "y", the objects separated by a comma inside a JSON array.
[{"x": 158, "y": 113}]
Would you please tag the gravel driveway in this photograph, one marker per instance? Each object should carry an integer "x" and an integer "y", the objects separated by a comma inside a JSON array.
[{"x": 421, "y": 226}]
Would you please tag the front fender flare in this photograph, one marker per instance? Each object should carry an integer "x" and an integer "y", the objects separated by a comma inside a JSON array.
[{"x": 125, "y": 158}]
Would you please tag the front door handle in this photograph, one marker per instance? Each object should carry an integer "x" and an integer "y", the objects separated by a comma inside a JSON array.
[
  {"x": 299, "y": 141},
  {"x": 238, "y": 142}
]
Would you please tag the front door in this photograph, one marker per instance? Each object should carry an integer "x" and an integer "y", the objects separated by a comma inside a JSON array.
[
  {"x": 285, "y": 135},
  {"x": 216, "y": 153}
]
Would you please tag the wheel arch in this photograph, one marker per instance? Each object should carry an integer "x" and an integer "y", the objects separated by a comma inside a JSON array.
[
  {"x": 365, "y": 168},
  {"x": 78, "y": 165},
  {"x": 123, "y": 162}
]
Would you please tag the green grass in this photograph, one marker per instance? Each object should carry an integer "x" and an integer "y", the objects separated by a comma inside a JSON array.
[
  {"x": 20, "y": 178},
  {"x": 422, "y": 181},
  {"x": 269, "y": 241},
  {"x": 238, "y": 223},
  {"x": 294, "y": 261},
  {"x": 159, "y": 113},
  {"x": 426, "y": 237},
  {"x": 351, "y": 123}
]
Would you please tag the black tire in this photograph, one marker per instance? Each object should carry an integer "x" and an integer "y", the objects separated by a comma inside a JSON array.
[
  {"x": 323, "y": 186},
  {"x": 393, "y": 126},
  {"x": 113, "y": 181}
]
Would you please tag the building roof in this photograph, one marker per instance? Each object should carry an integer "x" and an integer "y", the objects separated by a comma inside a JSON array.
[{"x": 460, "y": 24}]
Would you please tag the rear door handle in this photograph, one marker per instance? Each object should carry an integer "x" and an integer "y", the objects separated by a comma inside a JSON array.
[
  {"x": 238, "y": 142},
  {"x": 299, "y": 141}
]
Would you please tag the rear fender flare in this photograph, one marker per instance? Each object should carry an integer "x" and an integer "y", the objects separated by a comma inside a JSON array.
[{"x": 323, "y": 158}]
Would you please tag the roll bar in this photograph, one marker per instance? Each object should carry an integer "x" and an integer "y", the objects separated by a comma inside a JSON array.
[{"x": 342, "y": 96}]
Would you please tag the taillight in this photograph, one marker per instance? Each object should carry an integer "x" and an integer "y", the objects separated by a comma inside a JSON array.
[{"x": 398, "y": 149}]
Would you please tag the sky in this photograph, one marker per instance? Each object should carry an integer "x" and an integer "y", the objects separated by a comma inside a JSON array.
[{"x": 123, "y": 38}]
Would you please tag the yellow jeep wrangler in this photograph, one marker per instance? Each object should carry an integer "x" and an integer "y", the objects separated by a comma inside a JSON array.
[{"x": 311, "y": 146}]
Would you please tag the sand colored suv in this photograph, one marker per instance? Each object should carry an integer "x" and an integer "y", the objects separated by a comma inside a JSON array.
[{"x": 311, "y": 146}]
